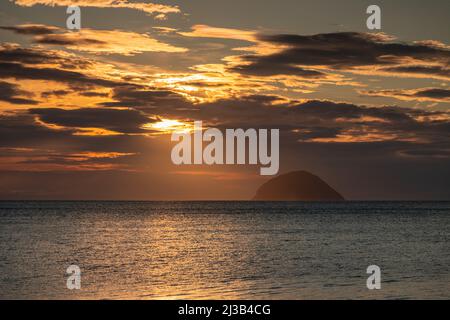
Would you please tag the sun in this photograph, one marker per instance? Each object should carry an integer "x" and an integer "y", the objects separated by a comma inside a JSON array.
[{"x": 168, "y": 126}]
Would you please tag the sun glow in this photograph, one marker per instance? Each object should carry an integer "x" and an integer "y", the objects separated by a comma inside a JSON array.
[{"x": 168, "y": 126}]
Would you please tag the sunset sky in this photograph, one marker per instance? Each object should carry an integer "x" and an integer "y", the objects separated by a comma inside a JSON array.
[{"x": 88, "y": 114}]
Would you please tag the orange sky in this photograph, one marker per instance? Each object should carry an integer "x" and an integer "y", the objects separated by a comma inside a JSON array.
[{"x": 88, "y": 114}]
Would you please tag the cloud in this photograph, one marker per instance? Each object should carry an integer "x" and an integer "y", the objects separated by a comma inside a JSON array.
[
  {"x": 151, "y": 100},
  {"x": 160, "y": 10},
  {"x": 251, "y": 36},
  {"x": 265, "y": 68},
  {"x": 41, "y": 160},
  {"x": 344, "y": 52},
  {"x": 11, "y": 93},
  {"x": 108, "y": 42},
  {"x": 420, "y": 71},
  {"x": 15, "y": 53},
  {"x": 94, "y": 94},
  {"x": 427, "y": 152},
  {"x": 114, "y": 120},
  {"x": 320, "y": 121},
  {"x": 31, "y": 29},
  {"x": 20, "y": 130},
  {"x": 327, "y": 121},
  {"x": 424, "y": 94},
  {"x": 55, "y": 65},
  {"x": 19, "y": 71},
  {"x": 304, "y": 120},
  {"x": 205, "y": 31},
  {"x": 96, "y": 41},
  {"x": 55, "y": 93},
  {"x": 29, "y": 144},
  {"x": 165, "y": 29}
]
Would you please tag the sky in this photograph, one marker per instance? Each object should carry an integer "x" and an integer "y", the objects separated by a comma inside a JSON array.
[{"x": 89, "y": 114}]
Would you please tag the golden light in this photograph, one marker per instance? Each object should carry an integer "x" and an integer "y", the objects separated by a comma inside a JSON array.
[{"x": 168, "y": 126}]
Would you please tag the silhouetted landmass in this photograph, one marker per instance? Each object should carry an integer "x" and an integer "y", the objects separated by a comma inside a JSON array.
[{"x": 297, "y": 186}]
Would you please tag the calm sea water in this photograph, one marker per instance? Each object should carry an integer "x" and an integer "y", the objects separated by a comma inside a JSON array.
[{"x": 231, "y": 250}]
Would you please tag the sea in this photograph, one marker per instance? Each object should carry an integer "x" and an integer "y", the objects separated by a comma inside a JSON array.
[{"x": 224, "y": 250}]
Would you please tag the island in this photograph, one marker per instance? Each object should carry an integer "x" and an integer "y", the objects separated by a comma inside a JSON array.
[{"x": 297, "y": 186}]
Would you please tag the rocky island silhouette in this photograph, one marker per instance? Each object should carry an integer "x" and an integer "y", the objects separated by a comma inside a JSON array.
[{"x": 297, "y": 186}]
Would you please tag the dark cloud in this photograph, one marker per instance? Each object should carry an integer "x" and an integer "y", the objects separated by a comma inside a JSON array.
[
  {"x": 19, "y": 71},
  {"x": 150, "y": 99},
  {"x": 261, "y": 112},
  {"x": 343, "y": 51},
  {"x": 299, "y": 121},
  {"x": 21, "y": 130},
  {"x": 94, "y": 40},
  {"x": 267, "y": 68},
  {"x": 11, "y": 93},
  {"x": 437, "y": 71},
  {"x": 426, "y": 152},
  {"x": 308, "y": 121},
  {"x": 313, "y": 120},
  {"x": 55, "y": 93},
  {"x": 14, "y": 53},
  {"x": 64, "y": 40},
  {"x": 264, "y": 98},
  {"x": 325, "y": 121},
  {"x": 31, "y": 29},
  {"x": 123, "y": 121},
  {"x": 434, "y": 93},
  {"x": 24, "y": 63},
  {"x": 430, "y": 94},
  {"x": 11, "y": 53},
  {"x": 94, "y": 94}
]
